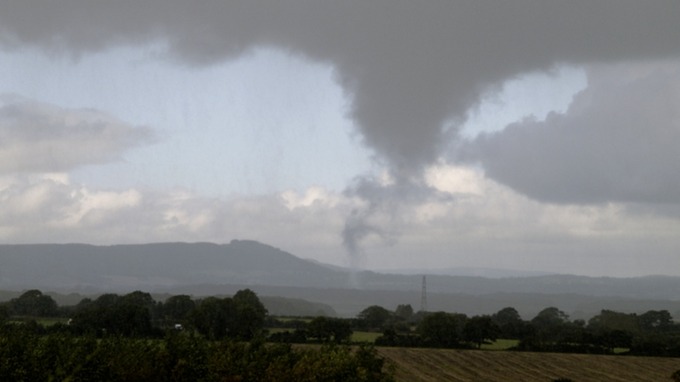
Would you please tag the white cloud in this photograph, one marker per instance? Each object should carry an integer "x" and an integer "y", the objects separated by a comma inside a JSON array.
[
  {"x": 501, "y": 228},
  {"x": 494, "y": 226},
  {"x": 454, "y": 179},
  {"x": 311, "y": 196},
  {"x": 37, "y": 137},
  {"x": 95, "y": 206}
]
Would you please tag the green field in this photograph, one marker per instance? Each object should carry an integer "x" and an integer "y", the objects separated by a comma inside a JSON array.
[
  {"x": 44, "y": 321},
  {"x": 367, "y": 337},
  {"x": 420, "y": 365}
]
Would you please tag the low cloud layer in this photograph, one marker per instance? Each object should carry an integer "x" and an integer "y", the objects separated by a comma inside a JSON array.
[
  {"x": 494, "y": 226},
  {"x": 37, "y": 137},
  {"x": 617, "y": 142}
]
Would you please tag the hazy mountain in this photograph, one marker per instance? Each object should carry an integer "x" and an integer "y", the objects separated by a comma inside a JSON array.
[
  {"x": 205, "y": 268},
  {"x": 81, "y": 266}
]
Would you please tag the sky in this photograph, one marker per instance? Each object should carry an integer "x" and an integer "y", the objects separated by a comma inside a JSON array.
[{"x": 524, "y": 135}]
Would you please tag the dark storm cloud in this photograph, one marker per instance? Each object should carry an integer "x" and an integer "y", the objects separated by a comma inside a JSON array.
[
  {"x": 408, "y": 67},
  {"x": 618, "y": 141},
  {"x": 37, "y": 137}
]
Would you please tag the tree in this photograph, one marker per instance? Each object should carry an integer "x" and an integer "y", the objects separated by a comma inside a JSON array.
[
  {"x": 551, "y": 325},
  {"x": 404, "y": 312},
  {"x": 655, "y": 321},
  {"x": 319, "y": 328},
  {"x": 130, "y": 320},
  {"x": 250, "y": 315},
  {"x": 550, "y": 317},
  {"x": 510, "y": 323},
  {"x": 177, "y": 308},
  {"x": 442, "y": 329},
  {"x": 480, "y": 329},
  {"x": 241, "y": 317},
  {"x": 139, "y": 298},
  {"x": 616, "y": 339},
  {"x": 326, "y": 329},
  {"x": 609, "y": 320},
  {"x": 106, "y": 300},
  {"x": 213, "y": 317},
  {"x": 34, "y": 303},
  {"x": 4, "y": 313},
  {"x": 374, "y": 317},
  {"x": 129, "y": 315}
]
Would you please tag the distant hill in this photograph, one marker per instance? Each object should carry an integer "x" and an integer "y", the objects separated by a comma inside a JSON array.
[
  {"x": 81, "y": 266},
  {"x": 206, "y": 268}
]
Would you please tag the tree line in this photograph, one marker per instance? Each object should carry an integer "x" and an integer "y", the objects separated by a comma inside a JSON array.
[
  {"x": 243, "y": 317},
  {"x": 137, "y": 314},
  {"x": 651, "y": 333}
]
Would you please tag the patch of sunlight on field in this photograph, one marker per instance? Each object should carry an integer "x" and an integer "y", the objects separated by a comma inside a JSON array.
[
  {"x": 501, "y": 344},
  {"x": 368, "y": 337}
]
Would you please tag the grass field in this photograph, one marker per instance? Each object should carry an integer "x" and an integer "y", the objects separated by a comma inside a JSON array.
[
  {"x": 500, "y": 344},
  {"x": 44, "y": 321},
  {"x": 416, "y": 365},
  {"x": 368, "y": 337}
]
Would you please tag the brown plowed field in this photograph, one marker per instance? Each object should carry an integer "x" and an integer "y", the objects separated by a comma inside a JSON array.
[{"x": 415, "y": 365}]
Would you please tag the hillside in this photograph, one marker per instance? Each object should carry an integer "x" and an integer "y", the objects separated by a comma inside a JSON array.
[
  {"x": 431, "y": 365},
  {"x": 81, "y": 266}
]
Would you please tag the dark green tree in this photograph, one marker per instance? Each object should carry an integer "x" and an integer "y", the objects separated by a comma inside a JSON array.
[
  {"x": 615, "y": 339},
  {"x": 510, "y": 323},
  {"x": 4, "y": 313},
  {"x": 139, "y": 298},
  {"x": 325, "y": 329},
  {"x": 550, "y": 317},
  {"x": 655, "y": 321},
  {"x": 404, "y": 312},
  {"x": 106, "y": 300},
  {"x": 320, "y": 328},
  {"x": 442, "y": 329},
  {"x": 480, "y": 329},
  {"x": 33, "y": 303},
  {"x": 177, "y": 308},
  {"x": 214, "y": 317},
  {"x": 609, "y": 320},
  {"x": 129, "y": 315},
  {"x": 250, "y": 315},
  {"x": 374, "y": 317},
  {"x": 128, "y": 319},
  {"x": 551, "y": 324}
]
